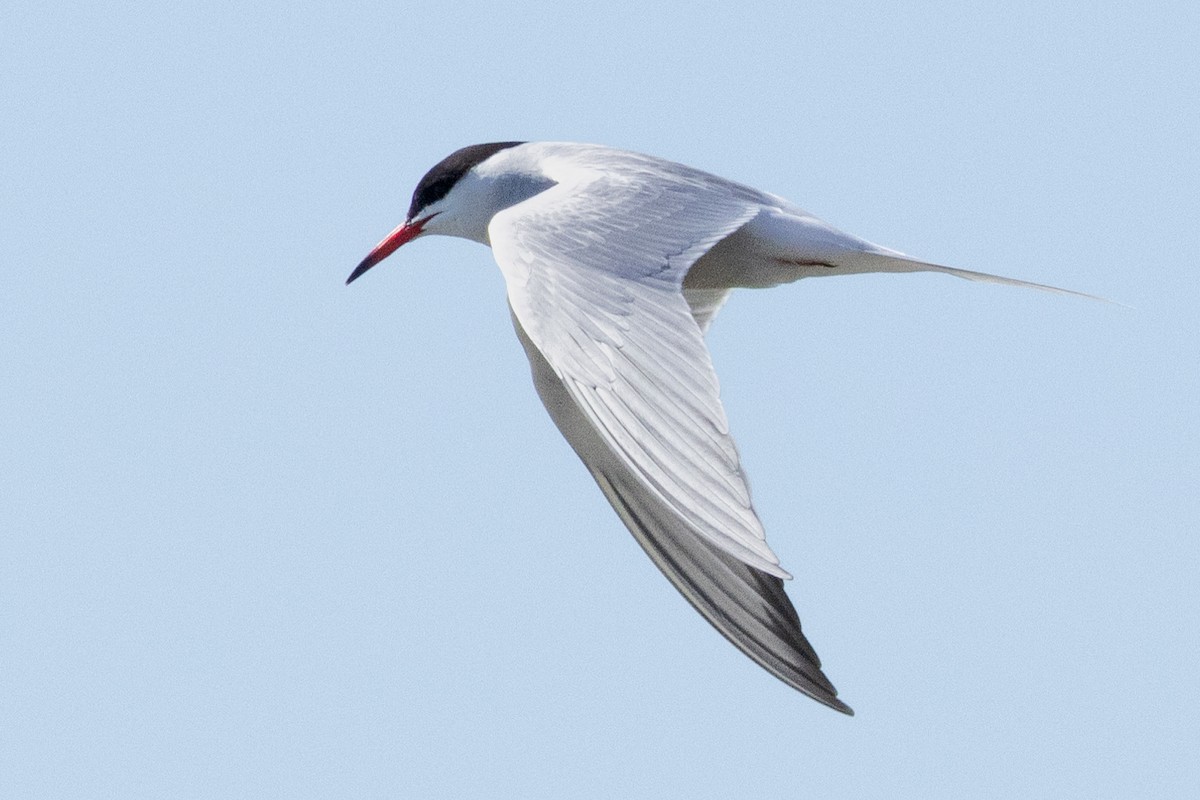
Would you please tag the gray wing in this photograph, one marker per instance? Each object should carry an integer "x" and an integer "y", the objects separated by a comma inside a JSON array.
[
  {"x": 748, "y": 606},
  {"x": 594, "y": 269}
]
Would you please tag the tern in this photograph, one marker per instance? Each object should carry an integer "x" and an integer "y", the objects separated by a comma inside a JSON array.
[{"x": 614, "y": 264}]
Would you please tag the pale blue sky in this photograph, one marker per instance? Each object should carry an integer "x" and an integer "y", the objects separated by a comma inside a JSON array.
[{"x": 262, "y": 535}]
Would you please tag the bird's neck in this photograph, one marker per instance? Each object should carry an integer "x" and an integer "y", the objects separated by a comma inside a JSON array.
[{"x": 482, "y": 195}]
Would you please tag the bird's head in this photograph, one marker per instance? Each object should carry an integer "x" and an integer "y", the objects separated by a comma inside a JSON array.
[{"x": 453, "y": 199}]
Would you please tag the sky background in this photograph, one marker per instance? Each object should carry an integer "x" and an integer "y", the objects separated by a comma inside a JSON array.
[{"x": 263, "y": 535}]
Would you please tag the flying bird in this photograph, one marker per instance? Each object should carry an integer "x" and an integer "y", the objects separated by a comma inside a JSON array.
[{"x": 615, "y": 264}]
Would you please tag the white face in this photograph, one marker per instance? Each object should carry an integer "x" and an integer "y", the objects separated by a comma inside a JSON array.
[
  {"x": 479, "y": 195},
  {"x": 463, "y": 212}
]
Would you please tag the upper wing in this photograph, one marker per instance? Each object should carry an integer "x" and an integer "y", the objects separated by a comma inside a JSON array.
[{"x": 594, "y": 268}]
